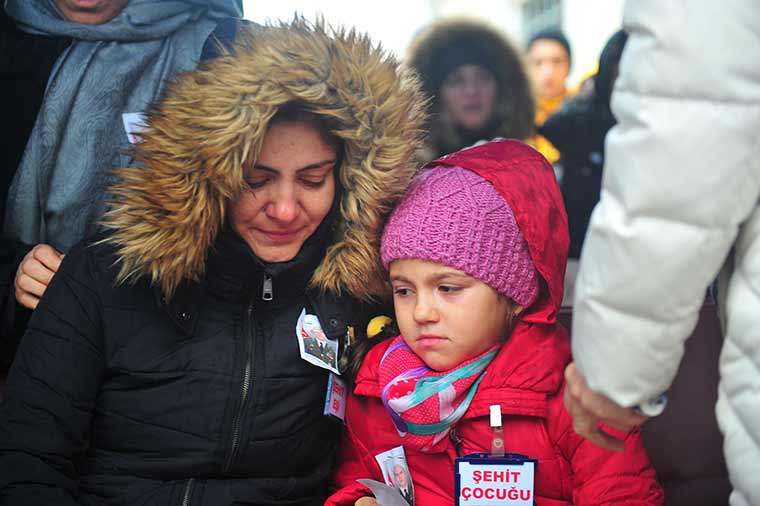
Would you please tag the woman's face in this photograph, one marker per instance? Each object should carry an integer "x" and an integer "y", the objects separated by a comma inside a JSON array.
[
  {"x": 290, "y": 191},
  {"x": 468, "y": 94}
]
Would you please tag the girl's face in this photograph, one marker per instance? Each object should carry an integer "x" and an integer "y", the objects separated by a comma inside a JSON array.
[
  {"x": 445, "y": 316},
  {"x": 291, "y": 188}
]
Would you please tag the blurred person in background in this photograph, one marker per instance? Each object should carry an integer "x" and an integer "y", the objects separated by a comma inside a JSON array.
[
  {"x": 76, "y": 75},
  {"x": 578, "y": 131},
  {"x": 680, "y": 202},
  {"x": 478, "y": 87},
  {"x": 549, "y": 57}
]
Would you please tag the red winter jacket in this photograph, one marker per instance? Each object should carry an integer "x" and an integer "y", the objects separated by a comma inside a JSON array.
[{"x": 525, "y": 378}]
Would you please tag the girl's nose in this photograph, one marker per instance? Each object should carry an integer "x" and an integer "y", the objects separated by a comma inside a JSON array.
[{"x": 425, "y": 310}]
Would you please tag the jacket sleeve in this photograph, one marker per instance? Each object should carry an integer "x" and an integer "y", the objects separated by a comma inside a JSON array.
[
  {"x": 681, "y": 176},
  {"x": 51, "y": 392},
  {"x": 350, "y": 465},
  {"x": 13, "y": 317},
  {"x": 605, "y": 478}
]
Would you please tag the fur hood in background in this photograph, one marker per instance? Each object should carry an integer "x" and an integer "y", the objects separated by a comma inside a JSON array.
[
  {"x": 166, "y": 214},
  {"x": 443, "y": 45}
]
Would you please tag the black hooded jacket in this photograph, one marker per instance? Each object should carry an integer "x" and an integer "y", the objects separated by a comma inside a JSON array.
[{"x": 202, "y": 400}]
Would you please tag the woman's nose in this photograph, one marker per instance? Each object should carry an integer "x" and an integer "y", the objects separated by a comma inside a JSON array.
[
  {"x": 283, "y": 206},
  {"x": 470, "y": 87}
]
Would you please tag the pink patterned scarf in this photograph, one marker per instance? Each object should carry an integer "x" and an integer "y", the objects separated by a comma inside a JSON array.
[{"x": 424, "y": 404}]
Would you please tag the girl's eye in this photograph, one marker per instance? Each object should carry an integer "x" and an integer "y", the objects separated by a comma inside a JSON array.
[
  {"x": 401, "y": 292},
  {"x": 449, "y": 289}
]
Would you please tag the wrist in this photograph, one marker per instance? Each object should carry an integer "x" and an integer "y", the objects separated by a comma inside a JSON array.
[{"x": 652, "y": 407}]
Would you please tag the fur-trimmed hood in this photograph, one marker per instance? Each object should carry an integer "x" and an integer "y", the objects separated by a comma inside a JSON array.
[
  {"x": 445, "y": 44},
  {"x": 165, "y": 215}
]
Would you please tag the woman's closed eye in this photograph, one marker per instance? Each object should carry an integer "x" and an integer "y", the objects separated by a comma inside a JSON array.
[
  {"x": 313, "y": 182},
  {"x": 257, "y": 183}
]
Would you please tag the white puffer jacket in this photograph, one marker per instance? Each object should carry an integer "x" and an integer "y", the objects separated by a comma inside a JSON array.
[{"x": 681, "y": 188}]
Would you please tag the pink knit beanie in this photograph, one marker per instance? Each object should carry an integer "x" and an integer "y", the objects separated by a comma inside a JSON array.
[{"x": 454, "y": 217}]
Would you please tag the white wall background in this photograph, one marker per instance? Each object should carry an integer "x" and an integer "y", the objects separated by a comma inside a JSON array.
[{"x": 588, "y": 24}]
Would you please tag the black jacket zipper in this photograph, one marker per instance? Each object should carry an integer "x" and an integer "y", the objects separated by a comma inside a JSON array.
[
  {"x": 245, "y": 387},
  {"x": 188, "y": 492}
]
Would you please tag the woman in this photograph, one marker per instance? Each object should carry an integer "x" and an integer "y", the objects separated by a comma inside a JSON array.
[
  {"x": 162, "y": 365},
  {"x": 477, "y": 83}
]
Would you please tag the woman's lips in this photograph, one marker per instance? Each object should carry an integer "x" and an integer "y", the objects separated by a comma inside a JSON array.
[
  {"x": 87, "y": 4},
  {"x": 279, "y": 236}
]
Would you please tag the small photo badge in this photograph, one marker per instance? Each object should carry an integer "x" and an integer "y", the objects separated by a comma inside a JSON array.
[
  {"x": 315, "y": 347},
  {"x": 335, "y": 400},
  {"x": 396, "y": 472},
  {"x": 134, "y": 124}
]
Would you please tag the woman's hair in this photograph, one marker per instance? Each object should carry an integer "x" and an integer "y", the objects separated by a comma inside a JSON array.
[
  {"x": 297, "y": 112},
  {"x": 359, "y": 351}
]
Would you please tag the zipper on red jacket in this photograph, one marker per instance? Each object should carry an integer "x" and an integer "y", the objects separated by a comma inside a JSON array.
[
  {"x": 454, "y": 436},
  {"x": 237, "y": 422}
]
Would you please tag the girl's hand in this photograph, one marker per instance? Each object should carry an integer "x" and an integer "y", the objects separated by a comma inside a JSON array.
[{"x": 366, "y": 501}]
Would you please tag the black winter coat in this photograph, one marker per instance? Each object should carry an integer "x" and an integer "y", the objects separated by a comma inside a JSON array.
[
  {"x": 119, "y": 398},
  {"x": 578, "y": 131}
]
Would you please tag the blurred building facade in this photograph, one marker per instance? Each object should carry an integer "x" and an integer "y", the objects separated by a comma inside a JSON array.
[{"x": 587, "y": 23}]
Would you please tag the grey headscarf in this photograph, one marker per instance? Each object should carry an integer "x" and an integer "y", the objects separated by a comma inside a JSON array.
[{"x": 110, "y": 69}]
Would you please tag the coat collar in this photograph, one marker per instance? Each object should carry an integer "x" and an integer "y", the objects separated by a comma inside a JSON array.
[{"x": 526, "y": 372}]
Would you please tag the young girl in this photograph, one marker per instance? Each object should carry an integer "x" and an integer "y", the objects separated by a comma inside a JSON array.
[{"x": 476, "y": 253}]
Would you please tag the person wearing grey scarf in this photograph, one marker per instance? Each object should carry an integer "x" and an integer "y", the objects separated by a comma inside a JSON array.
[{"x": 121, "y": 55}]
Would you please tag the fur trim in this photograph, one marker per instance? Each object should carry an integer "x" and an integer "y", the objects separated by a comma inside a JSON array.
[
  {"x": 166, "y": 214},
  {"x": 514, "y": 108}
]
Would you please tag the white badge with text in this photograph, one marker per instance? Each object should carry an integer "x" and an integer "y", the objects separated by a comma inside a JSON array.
[
  {"x": 483, "y": 480},
  {"x": 335, "y": 400}
]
